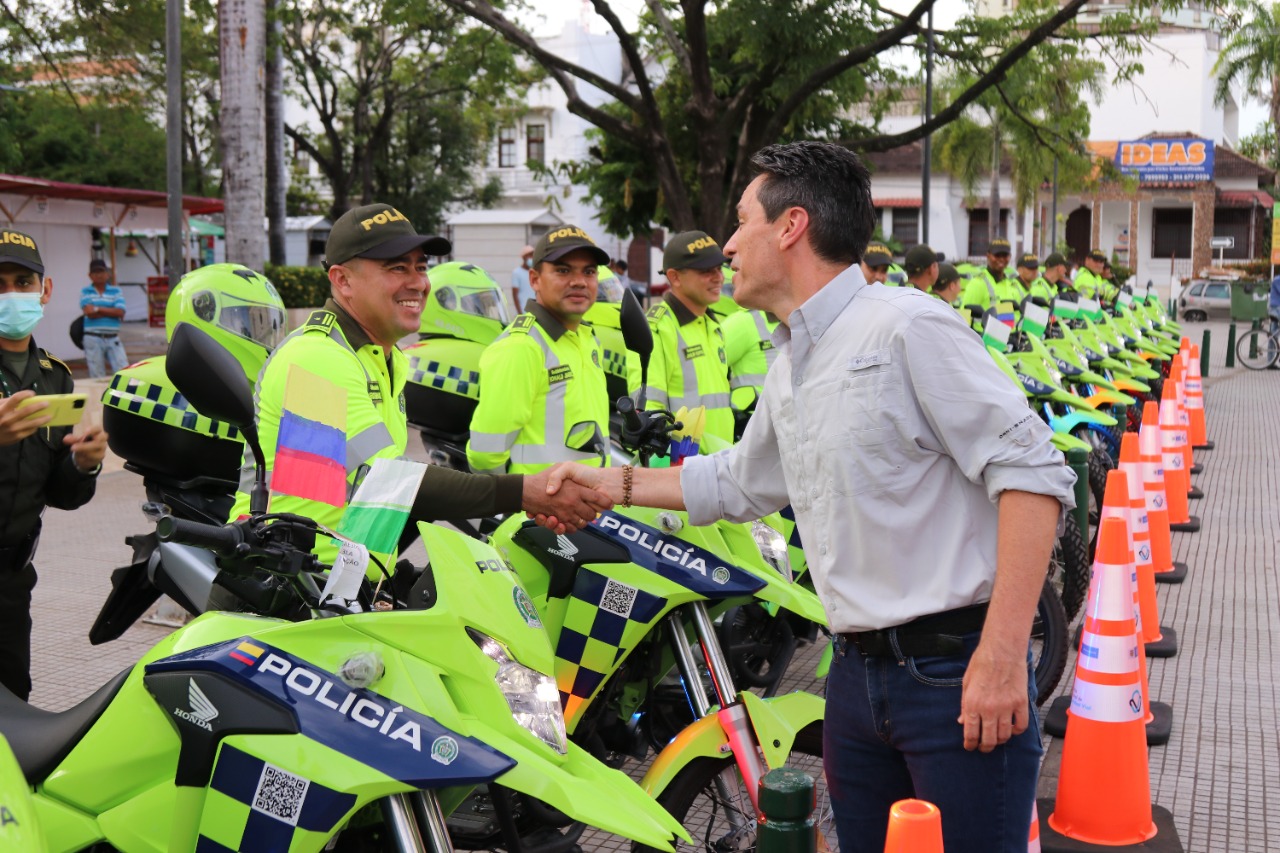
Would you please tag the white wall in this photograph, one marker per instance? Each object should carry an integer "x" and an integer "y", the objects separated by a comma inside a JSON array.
[{"x": 494, "y": 248}]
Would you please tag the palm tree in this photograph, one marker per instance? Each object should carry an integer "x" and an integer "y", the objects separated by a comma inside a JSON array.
[{"x": 1252, "y": 57}]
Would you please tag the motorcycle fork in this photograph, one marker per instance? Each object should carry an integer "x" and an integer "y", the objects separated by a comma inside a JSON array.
[
  {"x": 408, "y": 815},
  {"x": 732, "y": 715}
]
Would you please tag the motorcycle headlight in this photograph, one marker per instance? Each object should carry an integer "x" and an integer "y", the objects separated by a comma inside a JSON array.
[
  {"x": 773, "y": 548},
  {"x": 533, "y": 697}
]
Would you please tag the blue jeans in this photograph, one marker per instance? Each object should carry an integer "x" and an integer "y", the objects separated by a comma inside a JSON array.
[
  {"x": 891, "y": 733},
  {"x": 104, "y": 356}
]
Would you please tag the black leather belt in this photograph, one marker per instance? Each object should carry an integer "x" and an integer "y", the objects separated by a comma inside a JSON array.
[
  {"x": 15, "y": 557},
  {"x": 935, "y": 634}
]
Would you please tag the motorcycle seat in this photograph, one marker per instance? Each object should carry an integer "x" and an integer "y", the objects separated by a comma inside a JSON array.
[{"x": 40, "y": 739}]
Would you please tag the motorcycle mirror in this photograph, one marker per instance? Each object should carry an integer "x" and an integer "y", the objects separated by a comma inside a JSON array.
[
  {"x": 636, "y": 333},
  {"x": 214, "y": 383}
]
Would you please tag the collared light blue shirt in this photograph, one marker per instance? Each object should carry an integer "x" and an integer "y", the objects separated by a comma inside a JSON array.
[
  {"x": 892, "y": 433},
  {"x": 111, "y": 297},
  {"x": 524, "y": 290}
]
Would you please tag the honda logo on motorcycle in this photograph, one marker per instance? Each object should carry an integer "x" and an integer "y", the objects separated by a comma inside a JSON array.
[{"x": 202, "y": 712}]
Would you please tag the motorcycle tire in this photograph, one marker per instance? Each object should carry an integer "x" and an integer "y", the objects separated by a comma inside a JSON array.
[
  {"x": 758, "y": 645},
  {"x": 1049, "y": 641},
  {"x": 1069, "y": 568},
  {"x": 693, "y": 799},
  {"x": 1100, "y": 464}
]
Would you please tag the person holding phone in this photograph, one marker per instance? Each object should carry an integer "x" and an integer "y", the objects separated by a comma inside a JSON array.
[{"x": 40, "y": 464}]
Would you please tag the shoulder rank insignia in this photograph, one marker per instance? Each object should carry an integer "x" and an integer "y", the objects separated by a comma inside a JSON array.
[{"x": 523, "y": 323}]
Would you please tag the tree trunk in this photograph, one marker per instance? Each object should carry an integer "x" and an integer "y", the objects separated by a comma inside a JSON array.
[
  {"x": 277, "y": 175},
  {"x": 242, "y": 26},
  {"x": 1275, "y": 125}
]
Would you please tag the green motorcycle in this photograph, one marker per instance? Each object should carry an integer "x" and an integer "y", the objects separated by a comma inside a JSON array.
[{"x": 359, "y": 725}]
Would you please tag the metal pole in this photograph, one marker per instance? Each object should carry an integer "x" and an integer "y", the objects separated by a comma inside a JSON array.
[
  {"x": 928, "y": 139},
  {"x": 1053, "y": 215},
  {"x": 176, "y": 260}
]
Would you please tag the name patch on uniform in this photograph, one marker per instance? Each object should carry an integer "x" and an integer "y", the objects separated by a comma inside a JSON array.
[
  {"x": 694, "y": 351},
  {"x": 563, "y": 373},
  {"x": 375, "y": 391},
  {"x": 868, "y": 359},
  {"x": 766, "y": 345}
]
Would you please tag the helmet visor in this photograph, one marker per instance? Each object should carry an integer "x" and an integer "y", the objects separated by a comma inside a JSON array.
[
  {"x": 610, "y": 290},
  {"x": 484, "y": 303},
  {"x": 264, "y": 324}
]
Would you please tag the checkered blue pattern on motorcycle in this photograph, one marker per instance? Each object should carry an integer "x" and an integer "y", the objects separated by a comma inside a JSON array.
[
  {"x": 603, "y": 621},
  {"x": 273, "y": 803}
]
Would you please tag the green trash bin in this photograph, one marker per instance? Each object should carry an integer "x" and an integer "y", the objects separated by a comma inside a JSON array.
[{"x": 1249, "y": 300}]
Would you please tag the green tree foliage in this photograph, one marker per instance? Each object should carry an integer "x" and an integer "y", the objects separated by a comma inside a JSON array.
[
  {"x": 403, "y": 96},
  {"x": 709, "y": 82},
  {"x": 1260, "y": 146},
  {"x": 1251, "y": 58}
]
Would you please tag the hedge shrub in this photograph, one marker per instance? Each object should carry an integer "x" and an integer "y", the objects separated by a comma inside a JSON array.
[{"x": 300, "y": 287}]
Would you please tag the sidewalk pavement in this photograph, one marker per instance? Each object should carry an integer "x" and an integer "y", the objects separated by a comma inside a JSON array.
[{"x": 1220, "y": 772}]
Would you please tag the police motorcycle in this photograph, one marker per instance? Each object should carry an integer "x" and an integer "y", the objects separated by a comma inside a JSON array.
[
  {"x": 357, "y": 724},
  {"x": 189, "y": 461},
  {"x": 626, "y": 601}
]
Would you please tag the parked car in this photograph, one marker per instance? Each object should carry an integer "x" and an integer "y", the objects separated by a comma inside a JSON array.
[{"x": 1201, "y": 300}]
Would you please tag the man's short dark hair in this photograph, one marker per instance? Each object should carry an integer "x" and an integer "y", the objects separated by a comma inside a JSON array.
[
  {"x": 621, "y": 265},
  {"x": 833, "y": 187}
]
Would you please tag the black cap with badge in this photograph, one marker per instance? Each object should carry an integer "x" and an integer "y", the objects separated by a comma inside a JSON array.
[
  {"x": 555, "y": 244},
  {"x": 1029, "y": 261},
  {"x": 693, "y": 250},
  {"x": 877, "y": 255},
  {"x": 999, "y": 246},
  {"x": 18, "y": 248},
  {"x": 1055, "y": 259},
  {"x": 1098, "y": 255},
  {"x": 380, "y": 232}
]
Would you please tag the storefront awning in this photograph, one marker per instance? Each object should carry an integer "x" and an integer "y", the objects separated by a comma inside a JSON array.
[
  {"x": 897, "y": 202},
  {"x": 1244, "y": 198}
]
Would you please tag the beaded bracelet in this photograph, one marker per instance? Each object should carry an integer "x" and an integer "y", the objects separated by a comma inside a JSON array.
[{"x": 626, "y": 485}]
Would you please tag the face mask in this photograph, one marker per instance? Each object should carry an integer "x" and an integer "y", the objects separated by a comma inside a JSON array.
[
  {"x": 19, "y": 313},
  {"x": 528, "y": 264}
]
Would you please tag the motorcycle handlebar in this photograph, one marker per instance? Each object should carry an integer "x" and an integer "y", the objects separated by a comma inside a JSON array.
[
  {"x": 219, "y": 539},
  {"x": 627, "y": 408}
]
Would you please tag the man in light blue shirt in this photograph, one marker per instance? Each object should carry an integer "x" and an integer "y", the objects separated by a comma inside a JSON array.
[
  {"x": 927, "y": 495},
  {"x": 103, "y": 307},
  {"x": 521, "y": 289}
]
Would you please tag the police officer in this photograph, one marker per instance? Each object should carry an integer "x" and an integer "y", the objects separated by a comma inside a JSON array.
[
  {"x": 689, "y": 367},
  {"x": 377, "y": 265},
  {"x": 1088, "y": 281},
  {"x": 748, "y": 347},
  {"x": 544, "y": 397},
  {"x": 990, "y": 286},
  {"x": 875, "y": 263},
  {"x": 947, "y": 287},
  {"x": 1055, "y": 275},
  {"x": 39, "y": 465},
  {"x": 1038, "y": 288},
  {"x": 921, "y": 265}
]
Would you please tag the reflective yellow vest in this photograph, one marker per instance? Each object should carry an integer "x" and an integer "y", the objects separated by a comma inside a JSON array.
[
  {"x": 985, "y": 291},
  {"x": 748, "y": 346},
  {"x": 689, "y": 367},
  {"x": 543, "y": 399},
  {"x": 1087, "y": 283},
  {"x": 376, "y": 425}
]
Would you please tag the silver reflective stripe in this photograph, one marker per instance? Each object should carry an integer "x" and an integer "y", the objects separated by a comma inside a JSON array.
[
  {"x": 689, "y": 377},
  {"x": 747, "y": 380},
  {"x": 656, "y": 395},
  {"x": 991, "y": 288},
  {"x": 765, "y": 335},
  {"x": 366, "y": 444},
  {"x": 553, "y": 448},
  {"x": 493, "y": 442},
  {"x": 538, "y": 454},
  {"x": 714, "y": 401}
]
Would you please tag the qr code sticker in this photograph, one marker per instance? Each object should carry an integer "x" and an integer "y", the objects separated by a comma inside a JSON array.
[
  {"x": 280, "y": 794},
  {"x": 618, "y": 598}
]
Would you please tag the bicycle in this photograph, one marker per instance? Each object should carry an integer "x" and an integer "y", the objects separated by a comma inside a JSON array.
[{"x": 1259, "y": 348}]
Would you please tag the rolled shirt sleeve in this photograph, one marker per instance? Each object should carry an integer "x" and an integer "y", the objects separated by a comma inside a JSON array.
[
  {"x": 742, "y": 483},
  {"x": 1001, "y": 444}
]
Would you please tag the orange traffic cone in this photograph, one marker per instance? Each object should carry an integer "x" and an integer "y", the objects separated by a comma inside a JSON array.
[
  {"x": 1195, "y": 403},
  {"x": 1177, "y": 482},
  {"x": 1184, "y": 423},
  {"x": 915, "y": 826},
  {"x": 1033, "y": 840},
  {"x": 1115, "y": 504},
  {"x": 1161, "y": 642},
  {"x": 1104, "y": 794},
  {"x": 1166, "y": 570}
]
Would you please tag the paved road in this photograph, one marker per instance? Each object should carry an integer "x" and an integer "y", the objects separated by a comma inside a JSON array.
[{"x": 1220, "y": 772}]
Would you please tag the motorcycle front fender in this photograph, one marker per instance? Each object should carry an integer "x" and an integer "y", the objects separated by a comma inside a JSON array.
[
  {"x": 1064, "y": 442},
  {"x": 1108, "y": 397},
  {"x": 1071, "y": 420},
  {"x": 777, "y": 722},
  {"x": 588, "y": 791},
  {"x": 797, "y": 598},
  {"x": 19, "y": 831}
]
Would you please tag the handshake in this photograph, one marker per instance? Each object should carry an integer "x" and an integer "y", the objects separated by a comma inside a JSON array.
[{"x": 569, "y": 496}]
